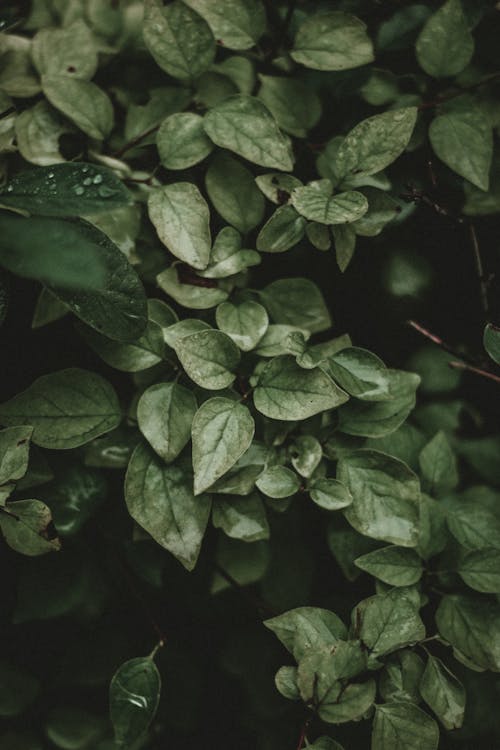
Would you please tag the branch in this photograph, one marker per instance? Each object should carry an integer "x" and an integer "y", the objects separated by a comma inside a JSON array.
[
  {"x": 464, "y": 90},
  {"x": 134, "y": 141},
  {"x": 483, "y": 282},
  {"x": 476, "y": 370},
  {"x": 303, "y": 733}
]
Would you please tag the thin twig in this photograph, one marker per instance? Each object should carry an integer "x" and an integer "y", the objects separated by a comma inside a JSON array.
[
  {"x": 303, "y": 733},
  {"x": 432, "y": 337},
  {"x": 464, "y": 90},
  {"x": 255, "y": 601},
  {"x": 134, "y": 141},
  {"x": 483, "y": 284},
  {"x": 477, "y": 370}
]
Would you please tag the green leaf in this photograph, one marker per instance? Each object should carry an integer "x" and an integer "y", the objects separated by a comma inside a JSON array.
[
  {"x": 38, "y": 130},
  {"x": 134, "y": 694},
  {"x": 48, "y": 309},
  {"x": 66, "y": 409},
  {"x": 234, "y": 194},
  {"x": 481, "y": 570},
  {"x": 165, "y": 412},
  {"x": 276, "y": 340},
  {"x": 318, "y": 235},
  {"x": 209, "y": 358},
  {"x": 443, "y": 693},
  {"x": 14, "y": 453},
  {"x": 281, "y": 231},
  {"x": 143, "y": 353},
  {"x": 245, "y": 323},
  {"x": 463, "y": 140},
  {"x": 361, "y": 373},
  {"x": 439, "y": 464},
  {"x": 82, "y": 102},
  {"x": 222, "y": 431},
  {"x": 398, "y": 726},
  {"x": 332, "y": 41},
  {"x": 163, "y": 101},
  {"x": 26, "y": 524},
  {"x": 295, "y": 106},
  {"x": 286, "y": 683},
  {"x": 316, "y": 203},
  {"x": 286, "y": 391},
  {"x": 74, "y": 496},
  {"x": 305, "y": 628},
  {"x": 396, "y": 566},
  {"x": 386, "y": 496},
  {"x": 400, "y": 677},
  {"x": 296, "y": 302},
  {"x": 375, "y": 143},
  {"x": 472, "y": 626},
  {"x": 474, "y": 526},
  {"x": 227, "y": 258},
  {"x": 243, "y": 124},
  {"x": 71, "y": 51},
  {"x": 344, "y": 237},
  {"x": 388, "y": 622},
  {"x": 326, "y": 743},
  {"x": 445, "y": 45},
  {"x": 179, "y": 40},
  {"x": 181, "y": 141},
  {"x": 329, "y": 494},
  {"x": 278, "y": 482},
  {"x": 75, "y": 728},
  {"x": 194, "y": 296},
  {"x": 241, "y": 518},
  {"x": 306, "y": 455},
  {"x": 491, "y": 342},
  {"x": 277, "y": 187},
  {"x": 181, "y": 218},
  {"x": 160, "y": 498},
  {"x": 382, "y": 209},
  {"x": 236, "y": 24}
]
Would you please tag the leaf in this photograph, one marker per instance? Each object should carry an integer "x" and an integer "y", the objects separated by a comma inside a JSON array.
[
  {"x": 245, "y": 323},
  {"x": 244, "y": 125},
  {"x": 118, "y": 307},
  {"x": 181, "y": 218},
  {"x": 48, "y": 309},
  {"x": 295, "y": 106},
  {"x": 400, "y": 677},
  {"x": 66, "y": 408},
  {"x": 445, "y": 45},
  {"x": 209, "y": 358},
  {"x": 281, "y": 231},
  {"x": 227, "y": 258},
  {"x": 491, "y": 342},
  {"x": 329, "y": 494},
  {"x": 296, "y": 302},
  {"x": 306, "y": 628},
  {"x": 443, "y": 693},
  {"x": 14, "y": 453},
  {"x": 375, "y": 143},
  {"x": 472, "y": 626},
  {"x": 160, "y": 499},
  {"x": 181, "y": 141},
  {"x": 25, "y": 525},
  {"x": 361, "y": 373},
  {"x": 402, "y": 725},
  {"x": 286, "y": 683},
  {"x": 285, "y": 391},
  {"x": 194, "y": 296},
  {"x": 241, "y": 518},
  {"x": 234, "y": 194},
  {"x": 332, "y": 41},
  {"x": 141, "y": 354},
  {"x": 396, "y": 566},
  {"x": 277, "y": 187},
  {"x": 463, "y": 140},
  {"x": 344, "y": 237},
  {"x": 382, "y": 209},
  {"x": 316, "y": 203},
  {"x": 306, "y": 455},
  {"x": 134, "y": 694},
  {"x": 278, "y": 482},
  {"x": 70, "y": 51},
  {"x": 439, "y": 464},
  {"x": 276, "y": 340},
  {"x": 179, "y": 40},
  {"x": 222, "y": 431},
  {"x": 474, "y": 526},
  {"x": 165, "y": 412},
  {"x": 236, "y": 24},
  {"x": 82, "y": 102},
  {"x": 388, "y": 622},
  {"x": 481, "y": 570},
  {"x": 38, "y": 130}
]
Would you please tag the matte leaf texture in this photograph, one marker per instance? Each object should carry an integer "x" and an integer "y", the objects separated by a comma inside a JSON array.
[
  {"x": 445, "y": 45},
  {"x": 332, "y": 41},
  {"x": 297, "y": 302},
  {"x": 304, "y": 628},
  {"x": 25, "y": 525},
  {"x": 82, "y": 102},
  {"x": 236, "y": 24},
  {"x": 164, "y": 414},
  {"x": 245, "y": 324},
  {"x": 470, "y": 625},
  {"x": 491, "y": 341},
  {"x": 181, "y": 141},
  {"x": 295, "y": 107},
  {"x": 402, "y": 725},
  {"x": 396, "y": 566},
  {"x": 134, "y": 695},
  {"x": 71, "y": 51},
  {"x": 317, "y": 204},
  {"x": 443, "y": 693},
  {"x": 234, "y": 194},
  {"x": 209, "y": 358}
]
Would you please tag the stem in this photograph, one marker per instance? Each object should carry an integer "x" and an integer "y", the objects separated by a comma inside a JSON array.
[
  {"x": 472, "y": 87},
  {"x": 303, "y": 732},
  {"x": 432, "y": 337},
  {"x": 135, "y": 141},
  {"x": 476, "y": 370},
  {"x": 255, "y": 601},
  {"x": 7, "y": 112},
  {"x": 158, "y": 646},
  {"x": 483, "y": 284}
]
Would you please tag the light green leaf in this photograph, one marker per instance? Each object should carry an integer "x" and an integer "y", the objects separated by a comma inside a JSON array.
[
  {"x": 245, "y": 323},
  {"x": 178, "y": 330},
  {"x": 306, "y": 454},
  {"x": 400, "y": 677},
  {"x": 194, "y": 296},
  {"x": 70, "y": 51},
  {"x": 481, "y": 570},
  {"x": 282, "y": 231},
  {"x": 241, "y": 518},
  {"x": 396, "y": 566},
  {"x": 332, "y": 41},
  {"x": 179, "y": 39},
  {"x": 25, "y": 525},
  {"x": 286, "y": 683},
  {"x": 306, "y": 628},
  {"x": 296, "y": 302},
  {"x": 295, "y": 106},
  {"x": 14, "y": 453},
  {"x": 474, "y": 526},
  {"x": 222, "y": 431},
  {"x": 386, "y": 496},
  {"x": 286, "y": 391},
  {"x": 134, "y": 694},
  {"x": 165, "y": 412},
  {"x": 144, "y": 352},
  {"x": 234, "y": 194},
  {"x": 236, "y": 24},
  {"x": 472, "y": 626},
  {"x": 38, "y": 130},
  {"x": 277, "y": 187},
  {"x": 375, "y": 143},
  {"x": 278, "y": 482},
  {"x": 382, "y": 209},
  {"x": 344, "y": 237},
  {"x": 181, "y": 218},
  {"x": 463, "y": 140},
  {"x": 82, "y": 102},
  {"x": 240, "y": 70},
  {"x": 443, "y": 693},
  {"x": 398, "y": 726},
  {"x": 66, "y": 408},
  {"x": 181, "y": 141},
  {"x": 209, "y": 358},
  {"x": 163, "y": 101},
  {"x": 445, "y": 45},
  {"x": 438, "y": 464},
  {"x": 160, "y": 498},
  {"x": 361, "y": 373},
  {"x": 491, "y": 342},
  {"x": 316, "y": 203},
  {"x": 227, "y": 258},
  {"x": 276, "y": 340},
  {"x": 330, "y": 494},
  {"x": 243, "y": 124}
]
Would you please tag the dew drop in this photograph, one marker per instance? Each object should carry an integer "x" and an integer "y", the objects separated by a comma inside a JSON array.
[
  {"x": 87, "y": 181},
  {"x": 79, "y": 190},
  {"x": 97, "y": 179},
  {"x": 50, "y": 174},
  {"x": 10, "y": 189}
]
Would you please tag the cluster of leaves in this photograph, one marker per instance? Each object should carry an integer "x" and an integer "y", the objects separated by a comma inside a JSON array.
[{"x": 148, "y": 206}]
